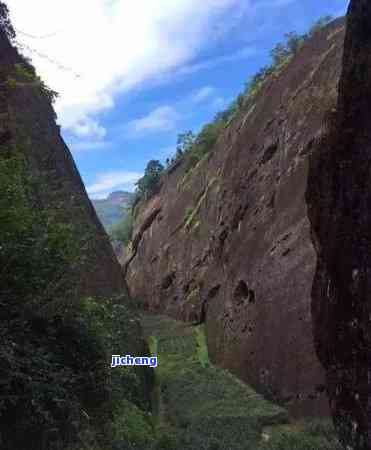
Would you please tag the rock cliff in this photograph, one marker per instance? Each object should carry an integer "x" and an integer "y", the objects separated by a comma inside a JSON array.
[
  {"x": 27, "y": 125},
  {"x": 228, "y": 243},
  {"x": 63, "y": 309},
  {"x": 339, "y": 199}
]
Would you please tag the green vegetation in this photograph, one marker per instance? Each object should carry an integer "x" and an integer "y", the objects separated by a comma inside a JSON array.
[
  {"x": 24, "y": 75},
  {"x": 304, "y": 435},
  {"x": 204, "y": 407},
  {"x": 146, "y": 187},
  {"x": 193, "y": 148},
  {"x": 36, "y": 249},
  {"x": 5, "y": 21},
  {"x": 202, "y": 352},
  {"x": 57, "y": 389},
  {"x": 149, "y": 183}
]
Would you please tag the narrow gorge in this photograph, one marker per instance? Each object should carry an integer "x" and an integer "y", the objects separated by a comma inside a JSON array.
[{"x": 246, "y": 268}]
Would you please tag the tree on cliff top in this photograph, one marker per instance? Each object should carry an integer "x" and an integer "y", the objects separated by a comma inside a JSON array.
[
  {"x": 147, "y": 185},
  {"x": 5, "y": 21}
]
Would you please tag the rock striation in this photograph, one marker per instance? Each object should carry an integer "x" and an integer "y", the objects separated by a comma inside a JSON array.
[{"x": 228, "y": 243}]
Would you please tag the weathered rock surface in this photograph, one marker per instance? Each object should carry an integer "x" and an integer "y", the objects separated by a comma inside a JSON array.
[
  {"x": 339, "y": 199},
  {"x": 229, "y": 243},
  {"x": 27, "y": 125}
]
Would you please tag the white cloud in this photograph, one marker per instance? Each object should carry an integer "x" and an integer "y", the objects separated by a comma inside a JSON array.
[
  {"x": 162, "y": 118},
  {"x": 242, "y": 53},
  {"x": 110, "y": 181},
  {"x": 219, "y": 103},
  {"x": 88, "y": 127},
  {"x": 89, "y": 145},
  {"x": 205, "y": 93},
  {"x": 113, "y": 45}
]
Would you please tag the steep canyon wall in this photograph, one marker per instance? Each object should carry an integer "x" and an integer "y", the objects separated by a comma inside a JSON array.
[{"x": 228, "y": 243}]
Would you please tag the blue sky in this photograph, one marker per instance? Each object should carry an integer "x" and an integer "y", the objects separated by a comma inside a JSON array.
[{"x": 133, "y": 76}]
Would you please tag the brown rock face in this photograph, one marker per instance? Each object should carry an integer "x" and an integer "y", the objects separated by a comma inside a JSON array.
[
  {"x": 229, "y": 243},
  {"x": 27, "y": 125},
  {"x": 339, "y": 199}
]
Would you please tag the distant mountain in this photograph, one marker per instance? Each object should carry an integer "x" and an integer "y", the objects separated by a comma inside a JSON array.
[{"x": 111, "y": 209}]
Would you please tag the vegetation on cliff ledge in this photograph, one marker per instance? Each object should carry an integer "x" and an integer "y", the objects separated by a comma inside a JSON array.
[{"x": 192, "y": 149}]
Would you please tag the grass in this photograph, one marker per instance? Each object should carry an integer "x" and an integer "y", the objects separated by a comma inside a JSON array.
[
  {"x": 202, "y": 352},
  {"x": 306, "y": 435},
  {"x": 206, "y": 408}
]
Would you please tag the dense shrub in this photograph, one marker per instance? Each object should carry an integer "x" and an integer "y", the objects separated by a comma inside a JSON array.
[
  {"x": 5, "y": 21},
  {"x": 148, "y": 184},
  {"x": 35, "y": 248},
  {"x": 57, "y": 388},
  {"x": 25, "y": 75}
]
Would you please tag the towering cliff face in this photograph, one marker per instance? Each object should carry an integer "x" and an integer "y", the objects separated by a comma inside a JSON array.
[
  {"x": 229, "y": 242},
  {"x": 339, "y": 198},
  {"x": 27, "y": 125}
]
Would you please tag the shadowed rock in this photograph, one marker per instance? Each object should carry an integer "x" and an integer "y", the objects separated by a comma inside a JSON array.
[{"x": 339, "y": 199}]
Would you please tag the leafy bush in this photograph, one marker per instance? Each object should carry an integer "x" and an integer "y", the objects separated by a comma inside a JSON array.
[
  {"x": 5, "y": 21},
  {"x": 201, "y": 145},
  {"x": 35, "y": 248},
  {"x": 56, "y": 383},
  {"x": 24, "y": 75},
  {"x": 147, "y": 185}
]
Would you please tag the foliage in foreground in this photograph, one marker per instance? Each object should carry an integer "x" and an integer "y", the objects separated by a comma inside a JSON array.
[{"x": 57, "y": 387}]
